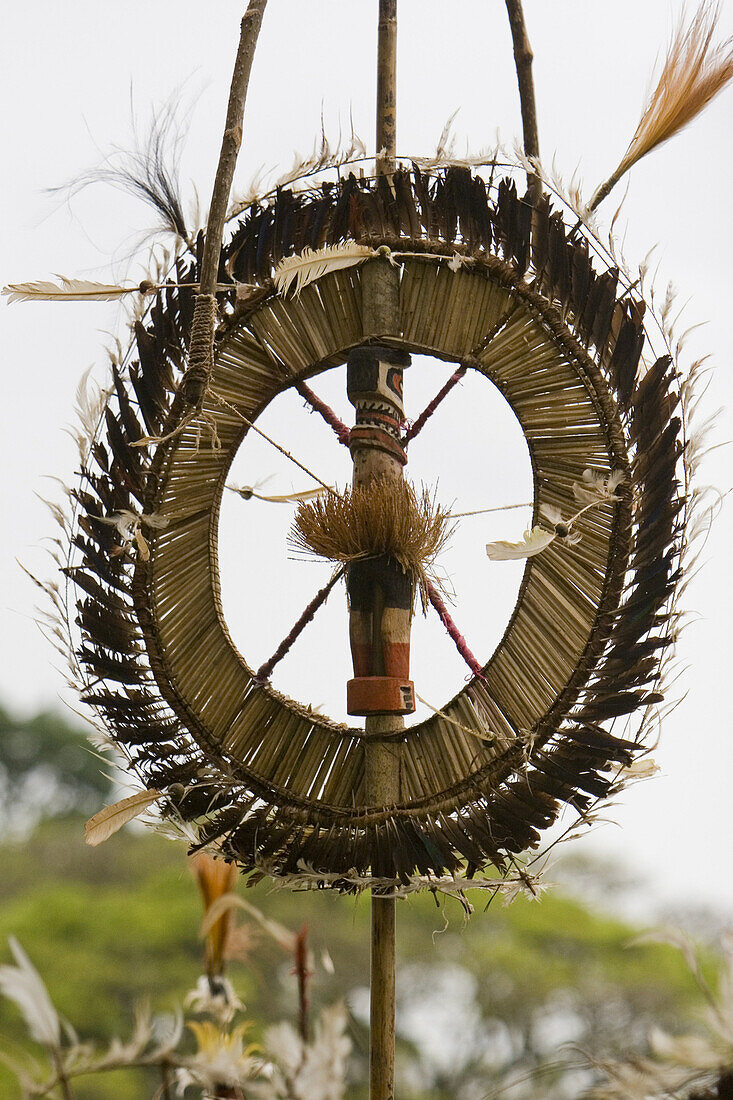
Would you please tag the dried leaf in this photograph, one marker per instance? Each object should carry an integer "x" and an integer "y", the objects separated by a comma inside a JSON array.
[
  {"x": 282, "y": 936},
  {"x": 23, "y": 984},
  {"x": 308, "y": 265},
  {"x": 98, "y": 828}
]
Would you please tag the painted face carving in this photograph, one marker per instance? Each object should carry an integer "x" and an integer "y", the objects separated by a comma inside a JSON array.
[{"x": 375, "y": 378}]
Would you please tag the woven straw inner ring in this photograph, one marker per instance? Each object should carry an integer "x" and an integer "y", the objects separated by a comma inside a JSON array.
[{"x": 570, "y": 423}]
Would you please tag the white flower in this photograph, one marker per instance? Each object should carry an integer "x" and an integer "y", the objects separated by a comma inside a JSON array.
[
  {"x": 214, "y": 996},
  {"x": 221, "y": 1058},
  {"x": 308, "y": 1071},
  {"x": 533, "y": 542},
  {"x": 597, "y": 487},
  {"x": 24, "y": 985}
]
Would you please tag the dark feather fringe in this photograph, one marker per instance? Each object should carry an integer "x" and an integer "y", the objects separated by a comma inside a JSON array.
[{"x": 148, "y": 171}]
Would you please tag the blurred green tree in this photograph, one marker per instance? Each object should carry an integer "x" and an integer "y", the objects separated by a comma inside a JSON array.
[{"x": 47, "y": 769}]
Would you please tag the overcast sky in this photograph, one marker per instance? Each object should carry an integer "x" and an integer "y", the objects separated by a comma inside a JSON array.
[{"x": 73, "y": 75}]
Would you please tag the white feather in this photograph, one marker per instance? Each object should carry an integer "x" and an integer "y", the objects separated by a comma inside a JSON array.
[
  {"x": 308, "y": 265},
  {"x": 533, "y": 542},
  {"x": 69, "y": 290},
  {"x": 111, "y": 818}
]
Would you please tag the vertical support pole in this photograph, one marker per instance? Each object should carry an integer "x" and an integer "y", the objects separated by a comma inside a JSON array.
[
  {"x": 387, "y": 88},
  {"x": 382, "y": 785},
  {"x": 380, "y": 302},
  {"x": 380, "y": 615}
]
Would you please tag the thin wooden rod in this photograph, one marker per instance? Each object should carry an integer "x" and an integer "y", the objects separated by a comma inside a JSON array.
[
  {"x": 382, "y": 1008},
  {"x": 382, "y": 788},
  {"x": 387, "y": 88},
  {"x": 523, "y": 58},
  {"x": 232, "y": 140},
  {"x": 201, "y": 344}
]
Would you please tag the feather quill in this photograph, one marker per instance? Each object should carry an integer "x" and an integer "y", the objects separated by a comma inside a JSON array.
[
  {"x": 246, "y": 492},
  {"x": 69, "y": 290},
  {"x": 694, "y": 71},
  {"x": 308, "y": 265},
  {"x": 100, "y": 827}
]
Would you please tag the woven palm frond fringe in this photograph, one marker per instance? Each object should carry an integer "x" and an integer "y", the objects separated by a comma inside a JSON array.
[{"x": 281, "y": 785}]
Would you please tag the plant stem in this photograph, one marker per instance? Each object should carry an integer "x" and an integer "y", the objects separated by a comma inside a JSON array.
[
  {"x": 523, "y": 58},
  {"x": 63, "y": 1080},
  {"x": 165, "y": 1093}
]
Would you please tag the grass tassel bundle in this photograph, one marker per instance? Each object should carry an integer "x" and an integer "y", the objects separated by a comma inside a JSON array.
[
  {"x": 694, "y": 71},
  {"x": 385, "y": 517}
]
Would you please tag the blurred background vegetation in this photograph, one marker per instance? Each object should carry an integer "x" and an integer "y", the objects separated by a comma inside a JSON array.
[{"x": 512, "y": 995}]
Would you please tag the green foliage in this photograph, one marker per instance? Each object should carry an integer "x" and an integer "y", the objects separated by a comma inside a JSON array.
[
  {"x": 111, "y": 926},
  {"x": 47, "y": 769}
]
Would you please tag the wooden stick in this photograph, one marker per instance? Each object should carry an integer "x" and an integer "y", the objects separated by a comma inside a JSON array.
[
  {"x": 249, "y": 33},
  {"x": 382, "y": 789},
  {"x": 381, "y": 312},
  {"x": 523, "y": 58},
  {"x": 382, "y": 1008},
  {"x": 201, "y": 344},
  {"x": 387, "y": 88}
]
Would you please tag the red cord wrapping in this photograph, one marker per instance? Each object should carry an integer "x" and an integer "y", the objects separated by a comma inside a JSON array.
[
  {"x": 265, "y": 671},
  {"x": 428, "y": 411},
  {"x": 341, "y": 430},
  {"x": 450, "y": 626}
]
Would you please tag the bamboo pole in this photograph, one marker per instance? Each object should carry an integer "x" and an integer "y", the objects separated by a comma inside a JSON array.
[
  {"x": 387, "y": 88},
  {"x": 380, "y": 294},
  {"x": 382, "y": 786}
]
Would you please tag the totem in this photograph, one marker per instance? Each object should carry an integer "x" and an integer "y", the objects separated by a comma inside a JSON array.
[{"x": 380, "y": 592}]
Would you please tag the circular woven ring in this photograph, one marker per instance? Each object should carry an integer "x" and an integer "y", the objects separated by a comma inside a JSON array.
[{"x": 275, "y": 781}]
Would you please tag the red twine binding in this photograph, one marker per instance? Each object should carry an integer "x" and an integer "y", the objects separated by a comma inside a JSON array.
[
  {"x": 265, "y": 671},
  {"x": 450, "y": 626},
  {"x": 341, "y": 430},
  {"x": 428, "y": 411}
]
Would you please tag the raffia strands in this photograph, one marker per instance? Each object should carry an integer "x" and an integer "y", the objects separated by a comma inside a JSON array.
[
  {"x": 694, "y": 71},
  {"x": 385, "y": 517}
]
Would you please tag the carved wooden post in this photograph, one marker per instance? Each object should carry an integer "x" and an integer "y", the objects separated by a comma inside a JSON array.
[
  {"x": 380, "y": 596},
  {"x": 381, "y": 599},
  {"x": 380, "y": 592}
]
